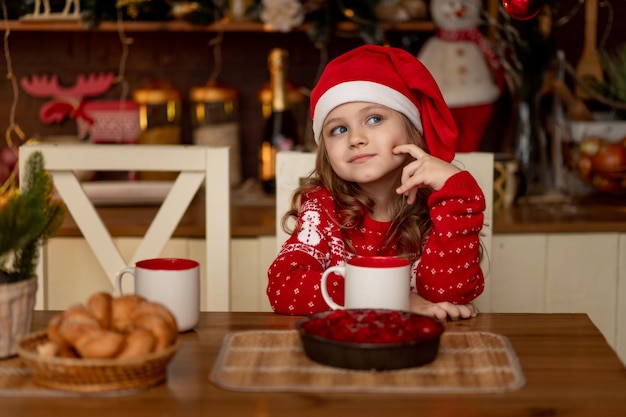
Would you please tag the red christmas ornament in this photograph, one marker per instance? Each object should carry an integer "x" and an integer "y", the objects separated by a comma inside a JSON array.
[{"x": 522, "y": 9}]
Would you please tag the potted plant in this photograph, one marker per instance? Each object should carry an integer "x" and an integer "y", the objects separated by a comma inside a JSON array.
[{"x": 27, "y": 218}]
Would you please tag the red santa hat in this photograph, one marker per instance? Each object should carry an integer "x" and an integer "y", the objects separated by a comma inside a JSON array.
[{"x": 391, "y": 77}]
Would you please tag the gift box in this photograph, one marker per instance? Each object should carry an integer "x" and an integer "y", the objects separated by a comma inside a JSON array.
[{"x": 109, "y": 121}]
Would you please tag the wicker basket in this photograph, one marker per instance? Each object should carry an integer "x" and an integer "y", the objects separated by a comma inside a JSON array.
[
  {"x": 16, "y": 307},
  {"x": 93, "y": 375}
]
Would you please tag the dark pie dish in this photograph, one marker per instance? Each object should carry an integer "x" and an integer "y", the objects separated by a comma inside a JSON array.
[{"x": 370, "y": 339}]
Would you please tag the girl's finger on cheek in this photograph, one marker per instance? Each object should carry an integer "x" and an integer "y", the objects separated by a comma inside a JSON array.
[
  {"x": 410, "y": 149},
  {"x": 398, "y": 149}
]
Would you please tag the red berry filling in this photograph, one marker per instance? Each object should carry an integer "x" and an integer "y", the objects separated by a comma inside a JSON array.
[{"x": 371, "y": 326}]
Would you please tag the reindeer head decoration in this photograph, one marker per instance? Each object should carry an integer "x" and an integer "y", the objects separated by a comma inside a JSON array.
[{"x": 66, "y": 102}]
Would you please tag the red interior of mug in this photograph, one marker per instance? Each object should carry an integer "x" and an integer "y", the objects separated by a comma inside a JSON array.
[
  {"x": 379, "y": 261},
  {"x": 167, "y": 264}
]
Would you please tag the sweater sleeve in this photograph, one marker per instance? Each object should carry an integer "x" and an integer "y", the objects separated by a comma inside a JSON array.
[
  {"x": 449, "y": 268},
  {"x": 294, "y": 276}
]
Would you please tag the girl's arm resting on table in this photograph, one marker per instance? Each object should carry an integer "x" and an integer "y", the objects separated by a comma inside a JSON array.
[{"x": 294, "y": 284}]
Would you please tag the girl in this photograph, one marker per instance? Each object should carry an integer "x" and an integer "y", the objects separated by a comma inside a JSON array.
[{"x": 383, "y": 185}]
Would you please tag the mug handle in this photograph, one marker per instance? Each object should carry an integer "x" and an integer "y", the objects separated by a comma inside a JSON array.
[
  {"x": 338, "y": 269},
  {"x": 118, "y": 279}
]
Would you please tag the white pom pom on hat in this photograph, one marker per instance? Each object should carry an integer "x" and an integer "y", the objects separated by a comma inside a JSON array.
[{"x": 393, "y": 78}]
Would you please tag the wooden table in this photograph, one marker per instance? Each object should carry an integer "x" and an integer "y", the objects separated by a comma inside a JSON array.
[{"x": 570, "y": 370}]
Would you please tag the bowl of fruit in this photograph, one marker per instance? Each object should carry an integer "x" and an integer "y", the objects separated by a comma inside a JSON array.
[
  {"x": 594, "y": 156},
  {"x": 370, "y": 339},
  {"x": 601, "y": 163}
]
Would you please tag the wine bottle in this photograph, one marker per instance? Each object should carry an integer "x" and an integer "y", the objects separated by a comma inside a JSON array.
[{"x": 281, "y": 129}]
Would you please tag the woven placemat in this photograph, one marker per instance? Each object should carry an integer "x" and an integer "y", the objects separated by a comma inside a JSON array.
[
  {"x": 467, "y": 362},
  {"x": 16, "y": 380}
]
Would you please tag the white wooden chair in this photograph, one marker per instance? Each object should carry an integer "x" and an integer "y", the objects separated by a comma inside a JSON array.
[
  {"x": 196, "y": 165},
  {"x": 291, "y": 167}
]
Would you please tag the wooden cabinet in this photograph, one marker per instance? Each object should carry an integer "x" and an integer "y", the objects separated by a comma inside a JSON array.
[
  {"x": 250, "y": 258},
  {"x": 563, "y": 273},
  {"x": 620, "y": 343},
  {"x": 517, "y": 272}
]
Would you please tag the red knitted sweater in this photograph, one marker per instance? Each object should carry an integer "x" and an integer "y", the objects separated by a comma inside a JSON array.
[{"x": 448, "y": 270}]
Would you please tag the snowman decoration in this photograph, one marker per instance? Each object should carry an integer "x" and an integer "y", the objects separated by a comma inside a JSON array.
[{"x": 465, "y": 67}]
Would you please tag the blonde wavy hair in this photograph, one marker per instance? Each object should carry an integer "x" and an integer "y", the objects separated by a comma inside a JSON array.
[{"x": 410, "y": 223}]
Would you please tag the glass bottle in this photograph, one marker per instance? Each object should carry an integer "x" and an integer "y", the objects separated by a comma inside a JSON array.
[{"x": 281, "y": 128}]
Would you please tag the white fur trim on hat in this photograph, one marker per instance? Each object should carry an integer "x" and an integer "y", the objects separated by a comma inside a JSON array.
[{"x": 366, "y": 91}]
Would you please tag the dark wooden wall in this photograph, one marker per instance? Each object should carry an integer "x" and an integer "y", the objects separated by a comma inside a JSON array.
[
  {"x": 186, "y": 60},
  {"x": 183, "y": 58}
]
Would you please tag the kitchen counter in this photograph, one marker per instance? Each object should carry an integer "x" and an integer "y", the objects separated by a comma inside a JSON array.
[
  {"x": 246, "y": 220},
  {"x": 559, "y": 214},
  {"x": 251, "y": 218}
]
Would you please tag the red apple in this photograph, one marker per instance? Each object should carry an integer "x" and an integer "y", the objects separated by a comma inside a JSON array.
[{"x": 610, "y": 158}]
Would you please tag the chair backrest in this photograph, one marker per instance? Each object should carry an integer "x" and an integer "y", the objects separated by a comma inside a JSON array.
[
  {"x": 196, "y": 165},
  {"x": 291, "y": 167}
]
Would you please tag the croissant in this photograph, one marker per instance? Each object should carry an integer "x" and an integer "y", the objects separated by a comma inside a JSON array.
[{"x": 104, "y": 327}]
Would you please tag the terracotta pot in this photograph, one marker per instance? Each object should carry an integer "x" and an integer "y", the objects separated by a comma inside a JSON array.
[{"x": 17, "y": 301}]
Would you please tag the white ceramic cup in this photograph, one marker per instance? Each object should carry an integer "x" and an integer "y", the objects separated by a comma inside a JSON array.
[
  {"x": 372, "y": 282},
  {"x": 173, "y": 282}
]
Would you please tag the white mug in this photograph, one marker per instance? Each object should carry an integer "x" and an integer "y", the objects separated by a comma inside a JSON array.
[
  {"x": 372, "y": 282},
  {"x": 173, "y": 282}
]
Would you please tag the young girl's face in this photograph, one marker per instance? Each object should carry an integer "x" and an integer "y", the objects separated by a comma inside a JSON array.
[{"x": 359, "y": 138}]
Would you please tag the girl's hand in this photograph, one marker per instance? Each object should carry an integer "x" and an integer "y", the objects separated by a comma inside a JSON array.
[
  {"x": 441, "y": 311},
  {"x": 425, "y": 171}
]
